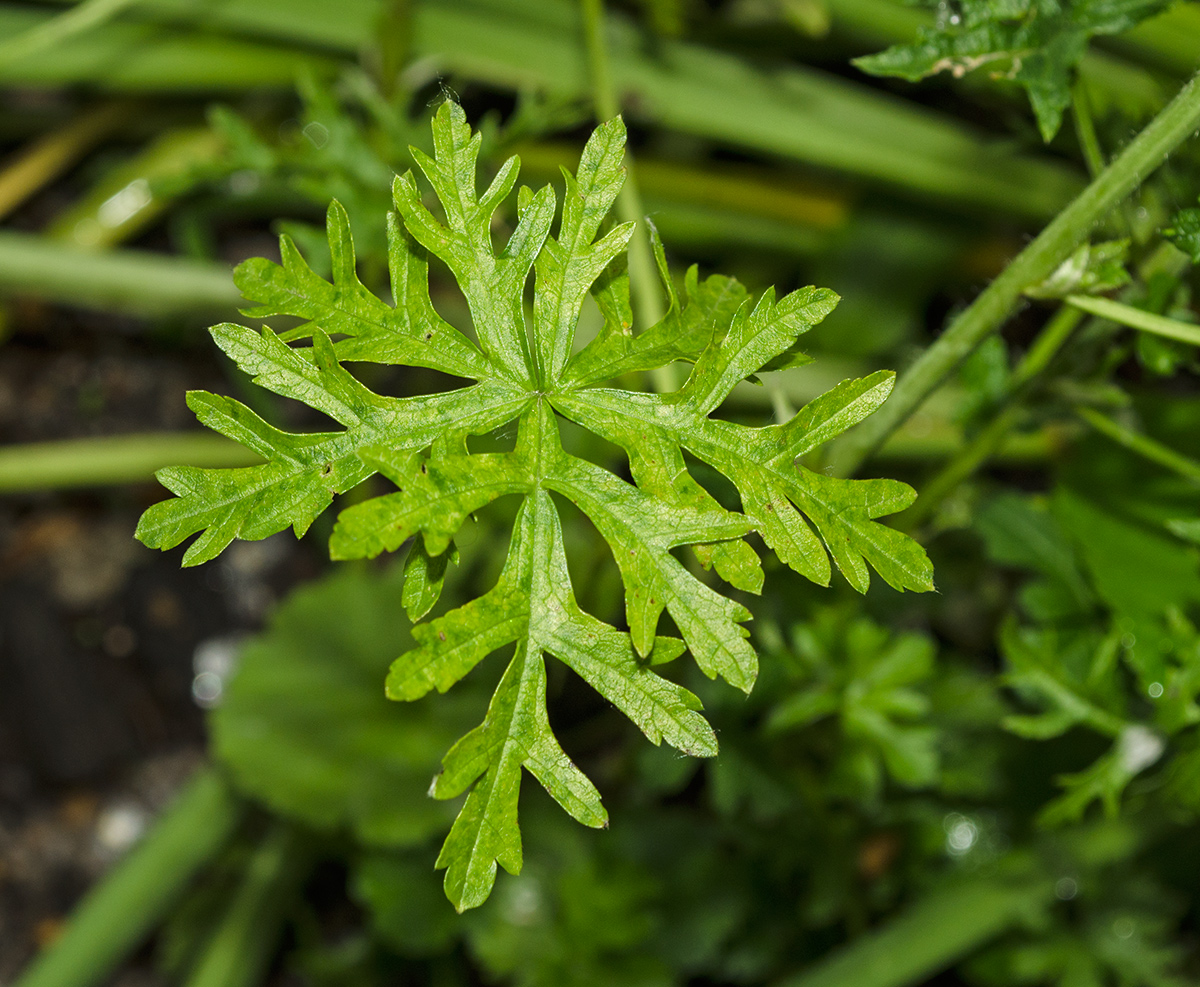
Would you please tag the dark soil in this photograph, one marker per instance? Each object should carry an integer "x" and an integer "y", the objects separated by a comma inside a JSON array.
[{"x": 99, "y": 635}]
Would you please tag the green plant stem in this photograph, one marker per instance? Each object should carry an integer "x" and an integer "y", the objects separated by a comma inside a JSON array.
[
  {"x": 1135, "y": 318},
  {"x": 992, "y": 436},
  {"x": 603, "y": 93},
  {"x": 964, "y": 464},
  {"x": 113, "y": 459},
  {"x": 244, "y": 941},
  {"x": 942, "y": 927},
  {"x": 135, "y": 55},
  {"x": 137, "y": 282},
  {"x": 393, "y": 46},
  {"x": 1045, "y": 348},
  {"x": 1173, "y": 125},
  {"x": 643, "y": 274},
  {"x": 1085, "y": 130},
  {"x": 1141, "y": 445},
  {"x": 119, "y": 912}
]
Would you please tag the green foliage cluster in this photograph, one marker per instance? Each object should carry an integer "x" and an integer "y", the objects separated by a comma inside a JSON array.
[
  {"x": 878, "y": 740},
  {"x": 544, "y": 497},
  {"x": 1184, "y": 232}
]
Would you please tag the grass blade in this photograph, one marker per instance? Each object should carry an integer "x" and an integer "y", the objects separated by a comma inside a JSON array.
[
  {"x": 136, "y": 282},
  {"x": 130, "y": 901}
]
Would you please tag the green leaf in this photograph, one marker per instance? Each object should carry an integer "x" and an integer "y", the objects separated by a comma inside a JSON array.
[
  {"x": 304, "y": 727},
  {"x": 1184, "y": 232},
  {"x": 872, "y": 682},
  {"x": 1037, "y": 43},
  {"x": 1070, "y": 676},
  {"x": 1092, "y": 270},
  {"x": 1136, "y": 569},
  {"x": 1020, "y": 531},
  {"x": 522, "y": 370},
  {"x": 1136, "y": 749}
]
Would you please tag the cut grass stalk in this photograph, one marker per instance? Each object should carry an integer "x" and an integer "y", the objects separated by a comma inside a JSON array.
[
  {"x": 84, "y": 16},
  {"x": 792, "y": 112},
  {"x": 130, "y": 196},
  {"x": 47, "y": 158},
  {"x": 135, "y": 56}
]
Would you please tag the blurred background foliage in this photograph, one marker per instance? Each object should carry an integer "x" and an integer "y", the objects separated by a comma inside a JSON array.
[{"x": 997, "y": 784}]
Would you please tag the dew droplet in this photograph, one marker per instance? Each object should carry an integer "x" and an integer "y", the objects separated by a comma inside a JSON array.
[{"x": 1065, "y": 888}]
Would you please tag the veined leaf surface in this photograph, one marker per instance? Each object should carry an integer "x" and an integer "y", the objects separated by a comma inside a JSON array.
[{"x": 526, "y": 368}]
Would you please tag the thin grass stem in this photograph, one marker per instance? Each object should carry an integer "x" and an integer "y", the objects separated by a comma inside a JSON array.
[
  {"x": 1136, "y": 318},
  {"x": 643, "y": 274},
  {"x": 1009, "y": 415},
  {"x": 245, "y": 939},
  {"x": 82, "y": 17},
  {"x": 47, "y": 158},
  {"x": 1142, "y": 445}
]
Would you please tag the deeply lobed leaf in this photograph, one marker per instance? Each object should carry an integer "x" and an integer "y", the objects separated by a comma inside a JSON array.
[{"x": 526, "y": 367}]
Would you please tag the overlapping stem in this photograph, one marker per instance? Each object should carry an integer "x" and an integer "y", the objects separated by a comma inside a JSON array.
[{"x": 988, "y": 313}]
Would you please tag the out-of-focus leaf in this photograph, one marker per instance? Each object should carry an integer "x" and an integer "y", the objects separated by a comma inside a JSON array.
[
  {"x": 872, "y": 682},
  {"x": 305, "y": 728},
  {"x": 1092, "y": 270},
  {"x": 1037, "y": 43},
  {"x": 1184, "y": 232}
]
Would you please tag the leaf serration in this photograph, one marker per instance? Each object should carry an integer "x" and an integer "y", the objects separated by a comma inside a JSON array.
[{"x": 533, "y": 374}]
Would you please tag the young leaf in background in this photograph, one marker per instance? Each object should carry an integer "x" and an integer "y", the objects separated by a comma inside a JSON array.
[{"x": 1036, "y": 43}]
